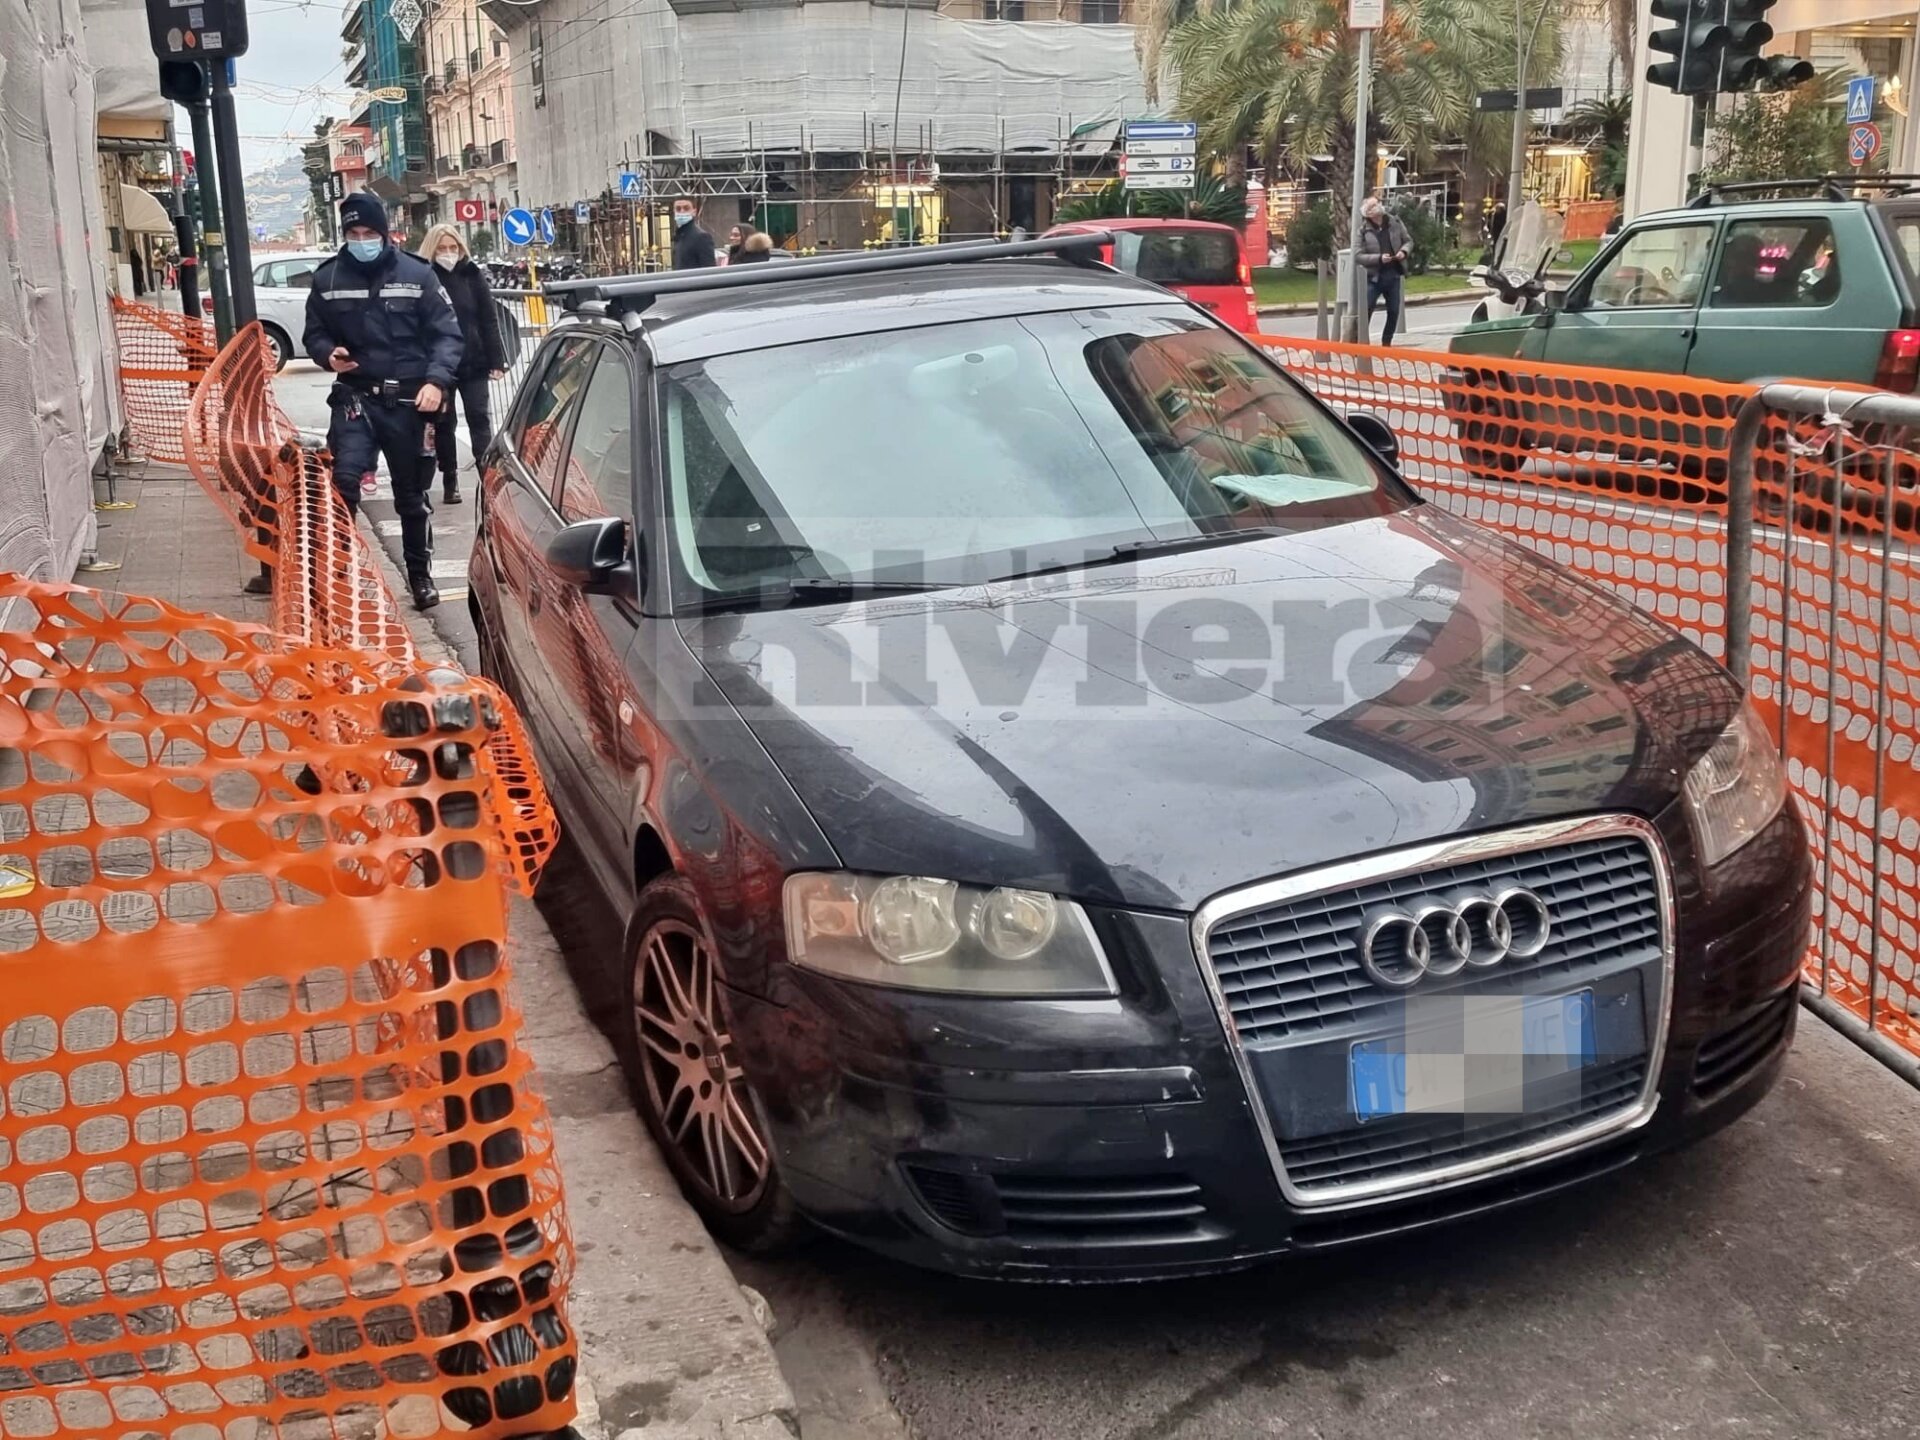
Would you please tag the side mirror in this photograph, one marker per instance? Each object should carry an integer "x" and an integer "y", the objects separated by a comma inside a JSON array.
[
  {"x": 592, "y": 554},
  {"x": 1554, "y": 299},
  {"x": 1377, "y": 435}
]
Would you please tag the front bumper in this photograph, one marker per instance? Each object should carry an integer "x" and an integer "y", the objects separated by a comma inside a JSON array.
[{"x": 1115, "y": 1139}]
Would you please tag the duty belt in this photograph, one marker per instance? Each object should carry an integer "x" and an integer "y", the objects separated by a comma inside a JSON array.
[{"x": 391, "y": 390}]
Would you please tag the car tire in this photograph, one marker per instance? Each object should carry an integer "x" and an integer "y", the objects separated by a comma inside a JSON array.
[
  {"x": 678, "y": 1052},
  {"x": 279, "y": 347}
]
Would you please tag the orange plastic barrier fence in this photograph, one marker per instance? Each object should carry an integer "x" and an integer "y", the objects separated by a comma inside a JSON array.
[
  {"x": 270, "y": 1165},
  {"x": 329, "y": 586},
  {"x": 163, "y": 356},
  {"x": 1622, "y": 477},
  {"x": 1619, "y": 476}
]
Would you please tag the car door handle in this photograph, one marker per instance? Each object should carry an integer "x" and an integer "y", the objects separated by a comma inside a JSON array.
[{"x": 1686, "y": 332}]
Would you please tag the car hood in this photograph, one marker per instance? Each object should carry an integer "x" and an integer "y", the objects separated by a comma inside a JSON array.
[{"x": 1153, "y": 733}]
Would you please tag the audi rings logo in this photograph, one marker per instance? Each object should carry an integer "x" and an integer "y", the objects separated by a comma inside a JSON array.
[{"x": 1400, "y": 947}]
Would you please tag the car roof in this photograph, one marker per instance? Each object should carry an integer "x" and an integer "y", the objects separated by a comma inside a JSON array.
[
  {"x": 1137, "y": 222},
  {"x": 698, "y": 324}
]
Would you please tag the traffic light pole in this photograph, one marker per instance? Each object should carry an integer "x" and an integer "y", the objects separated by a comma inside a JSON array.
[
  {"x": 233, "y": 199},
  {"x": 1523, "y": 38},
  {"x": 205, "y": 168}
]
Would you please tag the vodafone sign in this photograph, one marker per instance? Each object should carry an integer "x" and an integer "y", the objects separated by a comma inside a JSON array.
[{"x": 470, "y": 212}]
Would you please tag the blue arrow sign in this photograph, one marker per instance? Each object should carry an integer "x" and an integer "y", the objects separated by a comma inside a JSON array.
[
  {"x": 1859, "y": 99},
  {"x": 632, "y": 186},
  {"x": 516, "y": 227},
  {"x": 546, "y": 226},
  {"x": 1162, "y": 130}
]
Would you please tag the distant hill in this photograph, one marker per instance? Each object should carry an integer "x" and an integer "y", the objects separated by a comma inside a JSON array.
[{"x": 277, "y": 197}]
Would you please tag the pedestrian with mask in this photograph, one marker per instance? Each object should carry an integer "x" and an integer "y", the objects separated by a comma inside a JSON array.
[
  {"x": 381, "y": 322},
  {"x": 1383, "y": 248},
  {"x": 692, "y": 246},
  {"x": 483, "y": 355}
]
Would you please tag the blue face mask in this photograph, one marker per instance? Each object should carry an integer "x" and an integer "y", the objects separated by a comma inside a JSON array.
[{"x": 366, "y": 251}]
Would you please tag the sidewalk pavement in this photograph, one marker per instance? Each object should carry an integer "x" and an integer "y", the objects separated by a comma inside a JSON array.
[{"x": 671, "y": 1347}]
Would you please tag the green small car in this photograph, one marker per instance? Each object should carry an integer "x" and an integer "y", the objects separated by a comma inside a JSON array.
[{"x": 1825, "y": 287}]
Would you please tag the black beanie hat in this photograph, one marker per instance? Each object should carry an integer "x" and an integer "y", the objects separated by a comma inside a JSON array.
[{"x": 364, "y": 209}]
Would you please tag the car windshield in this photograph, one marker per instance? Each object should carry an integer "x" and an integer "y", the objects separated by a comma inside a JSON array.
[
  {"x": 1179, "y": 257},
  {"x": 957, "y": 454}
]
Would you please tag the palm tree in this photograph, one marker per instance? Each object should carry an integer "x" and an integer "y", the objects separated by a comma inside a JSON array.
[
  {"x": 1604, "y": 122},
  {"x": 1154, "y": 26},
  {"x": 1280, "y": 73}
]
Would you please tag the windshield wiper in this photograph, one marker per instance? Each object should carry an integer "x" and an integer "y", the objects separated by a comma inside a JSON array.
[
  {"x": 803, "y": 588},
  {"x": 1141, "y": 549}
]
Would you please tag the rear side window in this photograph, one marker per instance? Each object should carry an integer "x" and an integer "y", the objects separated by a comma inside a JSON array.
[
  {"x": 1906, "y": 239},
  {"x": 1777, "y": 264},
  {"x": 1179, "y": 257}
]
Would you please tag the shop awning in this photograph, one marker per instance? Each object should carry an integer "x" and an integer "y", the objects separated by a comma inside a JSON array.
[{"x": 144, "y": 214}]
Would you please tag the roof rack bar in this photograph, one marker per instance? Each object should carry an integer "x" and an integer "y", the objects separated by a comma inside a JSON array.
[
  {"x": 1834, "y": 186},
  {"x": 1081, "y": 247}
]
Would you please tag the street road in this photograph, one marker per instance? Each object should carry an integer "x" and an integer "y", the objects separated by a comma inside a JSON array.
[
  {"x": 1424, "y": 327},
  {"x": 1763, "y": 1284}
]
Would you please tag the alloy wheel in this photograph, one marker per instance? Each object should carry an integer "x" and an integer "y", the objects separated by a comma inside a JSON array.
[{"x": 693, "y": 1081}]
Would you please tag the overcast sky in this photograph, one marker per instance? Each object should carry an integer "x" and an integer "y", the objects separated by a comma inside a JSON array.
[{"x": 290, "y": 76}]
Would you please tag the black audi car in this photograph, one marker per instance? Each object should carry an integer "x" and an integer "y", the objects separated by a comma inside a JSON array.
[{"x": 1080, "y": 814}]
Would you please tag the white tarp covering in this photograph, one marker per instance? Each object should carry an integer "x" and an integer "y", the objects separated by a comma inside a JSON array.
[
  {"x": 827, "y": 65},
  {"x": 58, "y": 397}
]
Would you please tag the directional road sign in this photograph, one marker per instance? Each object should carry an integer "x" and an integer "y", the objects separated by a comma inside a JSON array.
[
  {"x": 632, "y": 186},
  {"x": 1160, "y": 147},
  {"x": 516, "y": 227},
  {"x": 1863, "y": 142},
  {"x": 1159, "y": 164},
  {"x": 1859, "y": 99},
  {"x": 1162, "y": 130},
  {"x": 1181, "y": 181},
  {"x": 546, "y": 226}
]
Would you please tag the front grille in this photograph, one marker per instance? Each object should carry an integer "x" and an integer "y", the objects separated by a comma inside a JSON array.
[
  {"x": 1065, "y": 1210},
  {"x": 1408, "y": 1144},
  {"x": 1293, "y": 968},
  {"x": 1726, "y": 1058}
]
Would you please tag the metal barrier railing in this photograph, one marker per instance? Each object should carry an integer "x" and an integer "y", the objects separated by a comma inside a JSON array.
[
  {"x": 1827, "y": 482},
  {"x": 528, "y": 315},
  {"x": 1779, "y": 528}
]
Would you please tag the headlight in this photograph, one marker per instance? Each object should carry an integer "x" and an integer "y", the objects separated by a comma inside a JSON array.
[
  {"x": 927, "y": 934},
  {"x": 1735, "y": 788}
]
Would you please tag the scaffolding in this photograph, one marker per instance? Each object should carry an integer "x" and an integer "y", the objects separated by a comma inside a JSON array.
[{"x": 812, "y": 199}]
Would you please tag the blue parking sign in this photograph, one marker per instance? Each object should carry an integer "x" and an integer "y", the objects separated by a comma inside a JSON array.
[{"x": 1859, "y": 99}]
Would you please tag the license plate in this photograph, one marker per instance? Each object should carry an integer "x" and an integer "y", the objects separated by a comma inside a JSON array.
[{"x": 1461, "y": 1055}]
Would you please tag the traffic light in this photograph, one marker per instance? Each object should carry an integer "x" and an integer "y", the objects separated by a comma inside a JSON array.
[
  {"x": 1741, "y": 65},
  {"x": 1783, "y": 72},
  {"x": 1695, "y": 42}
]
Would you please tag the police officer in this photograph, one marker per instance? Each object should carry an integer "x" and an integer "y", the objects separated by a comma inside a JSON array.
[{"x": 378, "y": 319}]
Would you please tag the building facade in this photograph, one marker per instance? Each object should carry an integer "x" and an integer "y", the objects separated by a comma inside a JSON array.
[
  {"x": 1859, "y": 37},
  {"x": 469, "y": 115},
  {"x": 385, "y": 68},
  {"x": 830, "y": 123}
]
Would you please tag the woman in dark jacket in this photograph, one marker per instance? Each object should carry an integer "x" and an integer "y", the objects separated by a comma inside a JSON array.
[{"x": 483, "y": 354}]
